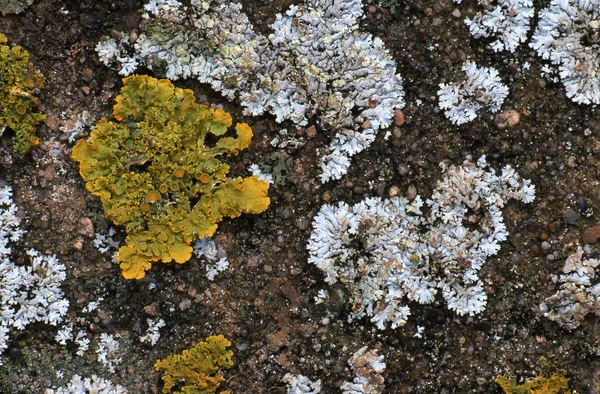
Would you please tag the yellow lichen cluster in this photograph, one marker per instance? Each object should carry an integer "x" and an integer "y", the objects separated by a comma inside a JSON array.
[
  {"x": 155, "y": 174},
  {"x": 557, "y": 383},
  {"x": 197, "y": 370},
  {"x": 18, "y": 83}
]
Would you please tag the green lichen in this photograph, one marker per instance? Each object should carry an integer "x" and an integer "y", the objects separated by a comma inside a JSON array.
[
  {"x": 18, "y": 83},
  {"x": 197, "y": 370},
  {"x": 14, "y": 6},
  {"x": 155, "y": 174},
  {"x": 548, "y": 383}
]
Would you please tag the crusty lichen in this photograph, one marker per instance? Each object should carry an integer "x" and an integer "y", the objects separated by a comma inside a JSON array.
[
  {"x": 156, "y": 176},
  {"x": 19, "y": 81},
  {"x": 547, "y": 383},
  {"x": 197, "y": 370},
  {"x": 14, "y": 6}
]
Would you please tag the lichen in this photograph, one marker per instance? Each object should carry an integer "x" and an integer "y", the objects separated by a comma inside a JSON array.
[
  {"x": 388, "y": 252},
  {"x": 155, "y": 174},
  {"x": 19, "y": 81},
  {"x": 197, "y": 370},
  {"x": 547, "y": 383},
  {"x": 316, "y": 64},
  {"x": 14, "y": 6}
]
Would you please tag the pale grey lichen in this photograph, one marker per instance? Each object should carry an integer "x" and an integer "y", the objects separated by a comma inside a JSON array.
[
  {"x": 300, "y": 384},
  {"x": 568, "y": 35},
  {"x": 153, "y": 332},
  {"x": 367, "y": 367},
  {"x": 108, "y": 352},
  {"x": 387, "y": 253},
  {"x": 214, "y": 258},
  {"x": 579, "y": 292},
  {"x": 316, "y": 63},
  {"x": 14, "y": 6},
  {"x": 482, "y": 88},
  {"x": 506, "y": 21},
  {"x": 93, "y": 385},
  {"x": 28, "y": 293}
]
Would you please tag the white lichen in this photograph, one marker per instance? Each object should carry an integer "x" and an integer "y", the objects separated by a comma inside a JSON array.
[
  {"x": 387, "y": 253},
  {"x": 108, "y": 352},
  {"x": 316, "y": 62},
  {"x": 93, "y": 385},
  {"x": 28, "y": 293},
  {"x": 482, "y": 89},
  {"x": 568, "y": 35},
  {"x": 215, "y": 260},
  {"x": 506, "y": 21},
  {"x": 107, "y": 244},
  {"x": 300, "y": 384},
  {"x": 579, "y": 293},
  {"x": 153, "y": 332},
  {"x": 367, "y": 367}
]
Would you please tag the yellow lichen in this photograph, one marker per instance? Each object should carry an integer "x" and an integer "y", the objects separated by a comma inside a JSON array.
[
  {"x": 548, "y": 383},
  {"x": 197, "y": 370},
  {"x": 144, "y": 169},
  {"x": 18, "y": 82}
]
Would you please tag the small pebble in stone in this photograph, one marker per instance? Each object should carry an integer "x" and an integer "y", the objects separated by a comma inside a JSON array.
[
  {"x": 185, "y": 304},
  {"x": 403, "y": 169},
  {"x": 268, "y": 268},
  {"x": 505, "y": 119},
  {"x": 581, "y": 204},
  {"x": 393, "y": 192},
  {"x": 587, "y": 249},
  {"x": 543, "y": 237},
  {"x": 535, "y": 250},
  {"x": 571, "y": 217},
  {"x": 412, "y": 192},
  {"x": 398, "y": 117},
  {"x": 456, "y": 13},
  {"x": 550, "y": 257},
  {"x": 546, "y": 245},
  {"x": 325, "y": 321}
]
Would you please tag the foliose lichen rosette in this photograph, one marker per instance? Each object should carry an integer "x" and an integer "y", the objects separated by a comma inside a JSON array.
[{"x": 155, "y": 174}]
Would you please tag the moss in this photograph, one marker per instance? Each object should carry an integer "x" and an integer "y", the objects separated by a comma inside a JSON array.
[
  {"x": 197, "y": 370},
  {"x": 157, "y": 177},
  {"x": 18, "y": 83},
  {"x": 548, "y": 383}
]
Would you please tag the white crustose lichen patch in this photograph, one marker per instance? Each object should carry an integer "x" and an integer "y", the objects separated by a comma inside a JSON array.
[
  {"x": 28, "y": 293},
  {"x": 482, "y": 88},
  {"x": 568, "y": 35},
  {"x": 316, "y": 63},
  {"x": 579, "y": 292},
  {"x": 387, "y": 253},
  {"x": 505, "y": 21}
]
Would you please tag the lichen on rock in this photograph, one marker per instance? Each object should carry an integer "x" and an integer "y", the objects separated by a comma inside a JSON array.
[
  {"x": 197, "y": 370},
  {"x": 19, "y": 82},
  {"x": 387, "y": 252},
  {"x": 156, "y": 175},
  {"x": 316, "y": 63}
]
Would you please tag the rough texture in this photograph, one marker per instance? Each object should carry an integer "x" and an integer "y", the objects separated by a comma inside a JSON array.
[
  {"x": 156, "y": 176},
  {"x": 506, "y": 21},
  {"x": 568, "y": 35},
  {"x": 316, "y": 62},
  {"x": 196, "y": 370},
  {"x": 19, "y": 84},
  {"x": 579, "y": 292},
  {"x": 387, "y": 252},
  {"x": 463, "y": 101}
]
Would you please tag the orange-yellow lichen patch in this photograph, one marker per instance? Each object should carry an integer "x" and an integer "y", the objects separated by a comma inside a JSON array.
[
  {"x": 18, "y": 83},
  {"x": 197, "y": 370},
  {"x": 138, "y": 165}
]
